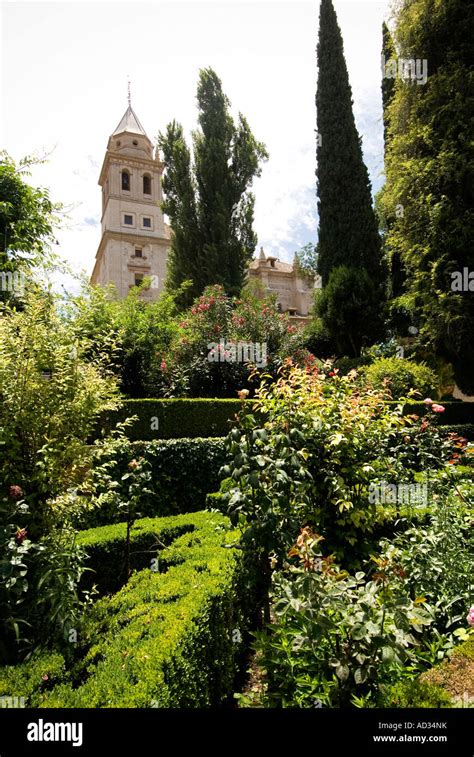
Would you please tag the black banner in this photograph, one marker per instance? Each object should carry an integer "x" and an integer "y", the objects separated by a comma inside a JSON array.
[{"x": 138, "y": 732}]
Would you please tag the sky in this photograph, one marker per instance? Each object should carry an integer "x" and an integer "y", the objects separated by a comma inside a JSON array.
[{"x": 64, "y": 72}]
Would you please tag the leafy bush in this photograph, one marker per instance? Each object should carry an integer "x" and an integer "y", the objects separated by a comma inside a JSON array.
[
  {"x": 401, "y": 376},
  {"x": 310, "y": 455},
  {"x": 436, "y": 560},
  {"x": 171, "y": 637},
  {"x": 337, "y": 637},
  {"x": 50, "y": 399}
]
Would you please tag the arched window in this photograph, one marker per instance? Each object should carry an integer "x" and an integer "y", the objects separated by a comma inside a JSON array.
[
  {"x": 147, "y": 185},
  {"x": 126, "y": 181}
]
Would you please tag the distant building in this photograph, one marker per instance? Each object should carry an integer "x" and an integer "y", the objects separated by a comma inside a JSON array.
[
  {"x": 135, "y": 239},
  {"x": 294, "y": 292}
]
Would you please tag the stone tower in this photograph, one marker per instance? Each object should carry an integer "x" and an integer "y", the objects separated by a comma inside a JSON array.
[{"x": 135, "y": 239}]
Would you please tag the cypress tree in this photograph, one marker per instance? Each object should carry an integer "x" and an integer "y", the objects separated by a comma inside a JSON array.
[
  {"x": 348, "y": 233},
  {"x": 208, "y": 201}
]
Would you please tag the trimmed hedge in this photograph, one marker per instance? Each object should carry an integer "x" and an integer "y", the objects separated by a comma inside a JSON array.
[
  {"x": 456, "y": 412},
  {"x": 183, "y": 473},
  {"x": 165, "y": 639},
  {"x": 175, "y": 418},
  {"x": 466, "y": 430},
  {"x": 191, "y": 418}
]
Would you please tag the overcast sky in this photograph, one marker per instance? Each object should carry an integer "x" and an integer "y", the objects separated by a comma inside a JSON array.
[{"x": 64, "y": 88}]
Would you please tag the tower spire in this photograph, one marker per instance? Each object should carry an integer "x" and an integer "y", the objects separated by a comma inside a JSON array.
[{"x": 129, "y": 95}]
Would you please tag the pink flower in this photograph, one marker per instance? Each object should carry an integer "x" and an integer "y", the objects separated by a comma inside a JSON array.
[
  {"x": 15, "y": 492},
  {"x": 438, "y": 408},
  {"x": 428, "y": 401},
  {"x": 163, "y": 365},
  {"x": 470, "y": 616},
  {"x": 45, "y": 677}
]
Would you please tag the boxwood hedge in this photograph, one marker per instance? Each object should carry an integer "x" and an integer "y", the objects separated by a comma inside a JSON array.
[
  {"x": 175, "y": 418},
  {"x": 170, "y": 637},
  {"x": 183, "y": 473}
]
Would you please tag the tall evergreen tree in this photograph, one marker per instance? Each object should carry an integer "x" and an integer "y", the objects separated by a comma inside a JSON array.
[
  {"x": 348, "y": 233},
  {"x": 430, "y": 170},
  {"x": 207, "y": 199}
]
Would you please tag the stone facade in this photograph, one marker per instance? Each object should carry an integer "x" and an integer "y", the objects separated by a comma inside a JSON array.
[
  {"x": 135, "y": 239},
  {"x": 294, "y": 292}
]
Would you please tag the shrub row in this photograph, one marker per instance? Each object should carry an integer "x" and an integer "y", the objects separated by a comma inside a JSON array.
[
  {"x": 165, "y": 639},
  {"x": 176, "y": 418},
  {"x": 183, "y": 473}
]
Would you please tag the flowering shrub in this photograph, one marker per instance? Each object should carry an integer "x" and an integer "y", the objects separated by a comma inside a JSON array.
[
  {"x": 309, "y": 452},
  {"x": 199, "y": 361},
  {"x": 337, "y": 637}
]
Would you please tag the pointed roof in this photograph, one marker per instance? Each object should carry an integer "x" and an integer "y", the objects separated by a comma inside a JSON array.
[{"x": 130, "y": 123}]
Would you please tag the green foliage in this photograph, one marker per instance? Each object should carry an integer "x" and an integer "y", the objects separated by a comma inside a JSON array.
[
  {"x": 14, "y": 552},
  {"x": 27, "y": 221},
  {"x": 207, "y": 199},
  {"x": 179, "y": 475},
  {"x": 388, "y": 84},
  {"x": 348, "y": 237},
  {"x": 129, "y": 334},
  {"x": 31, "y": 679},
  {"x": 401, "y": 377},
  {"x": 466, "y": 430},
  {"x": 413, "y": 693},
  {"x": 429, "y": 175},
  {"x": 51, "y": 399},
  {"x": 174, "y": 418},
  {"x": 336, "y": 636},
  {"x": 310, "y": 455},
  {"x": 200, "y": 362},
  {"x": 154, "y": 352},
  {"x": 436, "y": 561},
  {"x": 351, "y": 310},
  {"x": 167, "y": 638}
]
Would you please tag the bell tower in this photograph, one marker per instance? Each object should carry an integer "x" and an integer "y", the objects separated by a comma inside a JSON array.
[{"x": 135, "y": 239}]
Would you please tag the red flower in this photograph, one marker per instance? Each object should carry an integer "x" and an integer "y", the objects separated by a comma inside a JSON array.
[
  {"x": 331, "y": 373},
  {"x": 21, "y": 535},
  {"x": 163, "y": 365},
  {"x": 15, "y": 492},
  {"x": 438, "y": 408}
]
